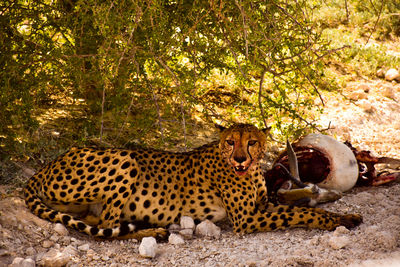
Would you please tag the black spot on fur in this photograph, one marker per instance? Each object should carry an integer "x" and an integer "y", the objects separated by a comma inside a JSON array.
[
  {"x": 94, "y": 231},
  {"x": 107, "y": 232}
]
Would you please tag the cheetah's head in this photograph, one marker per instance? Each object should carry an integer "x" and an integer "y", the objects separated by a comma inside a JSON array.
[{"x": 242, "y": 145}]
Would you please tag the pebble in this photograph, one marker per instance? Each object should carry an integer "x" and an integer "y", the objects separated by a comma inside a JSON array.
[
  {"x": 55, "y": 258},
  {"x": 389, "y": 92},
  {"x": 54, "y": 238},
  {"x": 17, "y": 261},
  {"x": 175, "y": 239},
  {"x": 187, "y": 223},
  {"x": 70, "y": 250},
  {"x": 341, "y": 230},
  {"x": 30, "y": 251},
  {"x": 60, "y": 229},
  {"x": 76, "y": 242},
  {"x": 105, "y": 258},
  {"x": 148, "y": 247},
  {"x": 47, "y": 244},
  {"x": 84, "y": 247},
  {"x": 4, "y": 252},
  {"x": 380, "y": 73},
  {"x": 392, "y": 74},
  {"x": 66, "y": 240},
  {"x": 366, "y": 105},
  {"x": 338, "y": 242},
  {"x": 45, "y": 233},
  {"x": 208, "y": 229},
  {"x": 90, "y": 253},
  {"x": 186, "y": 233},
  {"x": 21, "y": 262},
  {"x": 28, "y": 263},
  {"x": 358, "y": 94},
  {"x": 174, "y": 228}
]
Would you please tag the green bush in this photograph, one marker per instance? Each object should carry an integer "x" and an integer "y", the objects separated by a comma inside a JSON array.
[{"x": 126, "y": 72}]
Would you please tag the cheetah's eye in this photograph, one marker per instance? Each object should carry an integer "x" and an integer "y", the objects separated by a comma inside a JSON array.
[
  {"x": 230, "y": 142},
  {"x": 252, "y": 142}
]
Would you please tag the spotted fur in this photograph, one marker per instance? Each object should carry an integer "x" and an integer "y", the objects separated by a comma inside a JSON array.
[{"x": 119, "y": 193}]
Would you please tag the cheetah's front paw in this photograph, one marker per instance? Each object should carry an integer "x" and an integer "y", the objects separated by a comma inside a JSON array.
[{"x": 350, "y": 220}]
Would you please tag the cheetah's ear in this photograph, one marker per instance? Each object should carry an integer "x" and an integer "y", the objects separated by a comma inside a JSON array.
[
  {"x": 266, "y": 130},
  {"x": 219, "y": 127}
]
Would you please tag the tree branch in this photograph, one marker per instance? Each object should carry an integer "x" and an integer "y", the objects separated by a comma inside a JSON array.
[
  {"x": 376, "y": 22},
  {"x": 259, "y": 98}
]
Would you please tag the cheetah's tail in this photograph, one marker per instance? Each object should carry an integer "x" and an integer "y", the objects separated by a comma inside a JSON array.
[{"x": 36, "y": 205}]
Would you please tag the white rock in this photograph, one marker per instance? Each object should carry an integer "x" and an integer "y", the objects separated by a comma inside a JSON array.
[
  {"x": 47, "y": 243},
  {"x": 186, "y": 233},
  {"x": 174, "y": 228},
  {"x": 209, "y": 229},
  {"x": 84, "y": 247},
  {"x": 148, "y": 247},
  {"x": 21, "y": 262},
  {"x": 338, "y": 242},
  {"x": 55, "y": 258},
  {"x": 17, "y": 261},
  {"x": 341, "y": 230},
  {"x": 28, "y": 263},
  {"x": 392, "y": 74},
  {"x": 60, "y": 229},
  {"x": 70, "y": 250},
  {"x": 187, "y": 223},
  {"x": 175, "y": 239}
]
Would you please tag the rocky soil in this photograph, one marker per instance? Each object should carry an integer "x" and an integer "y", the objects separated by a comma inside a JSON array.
[{"x": 370, "y": 120}]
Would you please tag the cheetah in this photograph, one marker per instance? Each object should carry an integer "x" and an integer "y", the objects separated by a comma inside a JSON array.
[{"x": 120, "y": 193}]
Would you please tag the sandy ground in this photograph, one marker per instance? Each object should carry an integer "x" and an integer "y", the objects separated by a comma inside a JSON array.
[{"x": 371, "y": 121}]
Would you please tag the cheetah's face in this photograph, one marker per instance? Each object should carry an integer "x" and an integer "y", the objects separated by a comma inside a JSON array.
[{"x": 242, "y": 146}]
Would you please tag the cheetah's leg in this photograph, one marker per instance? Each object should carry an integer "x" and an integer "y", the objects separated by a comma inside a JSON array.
[
  {"x": 308, "y": 217},
  {"x": 272, "y": 207},
  {"x": 281, "y": 217}
]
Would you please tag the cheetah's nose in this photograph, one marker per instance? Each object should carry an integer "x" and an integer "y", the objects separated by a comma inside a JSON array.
[{"x": 239, "y": 159}]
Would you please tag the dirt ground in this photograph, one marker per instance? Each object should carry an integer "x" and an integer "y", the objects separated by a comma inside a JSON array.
[{"x": 370, "y": 121}]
